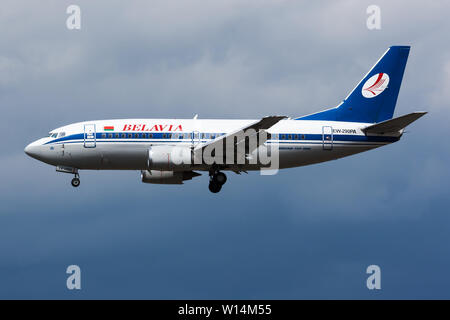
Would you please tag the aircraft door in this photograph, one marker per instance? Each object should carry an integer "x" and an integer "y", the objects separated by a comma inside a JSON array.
[
  {"x": 327, "y": 137},
  {"x": 89, "y": 136}
]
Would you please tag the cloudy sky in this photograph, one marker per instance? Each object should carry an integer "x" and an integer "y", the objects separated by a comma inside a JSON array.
[{"x": 308, "y": 232}]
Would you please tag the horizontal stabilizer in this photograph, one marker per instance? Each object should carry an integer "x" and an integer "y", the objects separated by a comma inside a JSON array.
[{"x": 393, "y": 125}]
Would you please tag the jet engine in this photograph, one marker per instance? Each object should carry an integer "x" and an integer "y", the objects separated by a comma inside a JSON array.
[
  {"x": 169, "y": 158},
  {"x": 167, "y": 177}
]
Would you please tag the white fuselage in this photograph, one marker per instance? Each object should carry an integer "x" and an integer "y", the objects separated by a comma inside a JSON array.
[{"x": 124, "y": 144}]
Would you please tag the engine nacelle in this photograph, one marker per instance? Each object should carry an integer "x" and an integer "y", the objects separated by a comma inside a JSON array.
[
  {"x": 169, "y": 158},
  {"x": 167, "y": 177}
]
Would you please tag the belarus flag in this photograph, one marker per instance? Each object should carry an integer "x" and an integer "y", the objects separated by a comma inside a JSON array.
[{"x": 108, "y": 128}]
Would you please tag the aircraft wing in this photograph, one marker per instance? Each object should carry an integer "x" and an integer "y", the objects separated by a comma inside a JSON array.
[{"x": 237, "y": 136}]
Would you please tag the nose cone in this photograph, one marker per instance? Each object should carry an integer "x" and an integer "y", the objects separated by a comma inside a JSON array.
[
  {"x": 35, "y": 150},
  {"x": 31, "y": 150},
  {"x": 39, "y": 151}
]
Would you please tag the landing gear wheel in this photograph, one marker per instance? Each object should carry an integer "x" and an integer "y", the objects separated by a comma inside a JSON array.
[
  {"x": 214, "y": 187},
  {"x": 216, "y": 180},
  {"x": 220, "y": 178},
  {"x": 75, "y": 182}
]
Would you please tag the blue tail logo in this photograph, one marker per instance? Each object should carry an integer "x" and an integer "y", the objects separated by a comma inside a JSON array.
[{"x": 375, "y": 96}]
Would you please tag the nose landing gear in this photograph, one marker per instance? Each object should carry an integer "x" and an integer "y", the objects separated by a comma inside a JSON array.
[
  {"x": 216, "y": 180},
  {"x": 76, "y": 181}
]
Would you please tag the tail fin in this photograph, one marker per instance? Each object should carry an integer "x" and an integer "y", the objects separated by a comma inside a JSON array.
[{"x": 374, "y": 97}]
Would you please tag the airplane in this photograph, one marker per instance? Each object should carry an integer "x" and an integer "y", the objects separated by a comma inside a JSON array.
[{"x": 361, "y": 122}]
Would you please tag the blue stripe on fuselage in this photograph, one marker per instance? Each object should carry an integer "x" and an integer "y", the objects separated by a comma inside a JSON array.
[{"x": 159, "y": 136}]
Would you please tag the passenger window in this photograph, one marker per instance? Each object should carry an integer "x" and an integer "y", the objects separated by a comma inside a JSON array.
[
  {"x": 150, "y": 135},
  {"x": 136, "y": 135},
  {"x": 130, "y": 135},
  {"x": 144, "y": 135},
  {"x": 295, "y": 136},
  {"x": 290, "y": 137},
  {"x": 164, "y": 135},
  {"x": 110, "y": 135},
  {"x": 303, "y": 136},
  {"x": 117, "y": 135},
  {"x": 124, "y": 135},
  {"x": 282, "y": 137},
  {"x": 103, "y": 135}
]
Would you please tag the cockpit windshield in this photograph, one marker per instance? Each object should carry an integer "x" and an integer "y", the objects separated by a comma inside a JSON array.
[{"x": 57, "y": 134}]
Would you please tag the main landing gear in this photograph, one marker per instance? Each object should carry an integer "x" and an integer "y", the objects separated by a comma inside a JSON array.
[
  {"x": 76, "y": 181},
  {"x": 216, "y": 180}
]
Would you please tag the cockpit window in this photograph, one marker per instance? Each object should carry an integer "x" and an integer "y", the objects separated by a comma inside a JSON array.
[{"x": 52, "y": 135}]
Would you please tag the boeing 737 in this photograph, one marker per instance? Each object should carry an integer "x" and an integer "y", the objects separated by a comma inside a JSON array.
[{"x": 171, "y": 151}]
